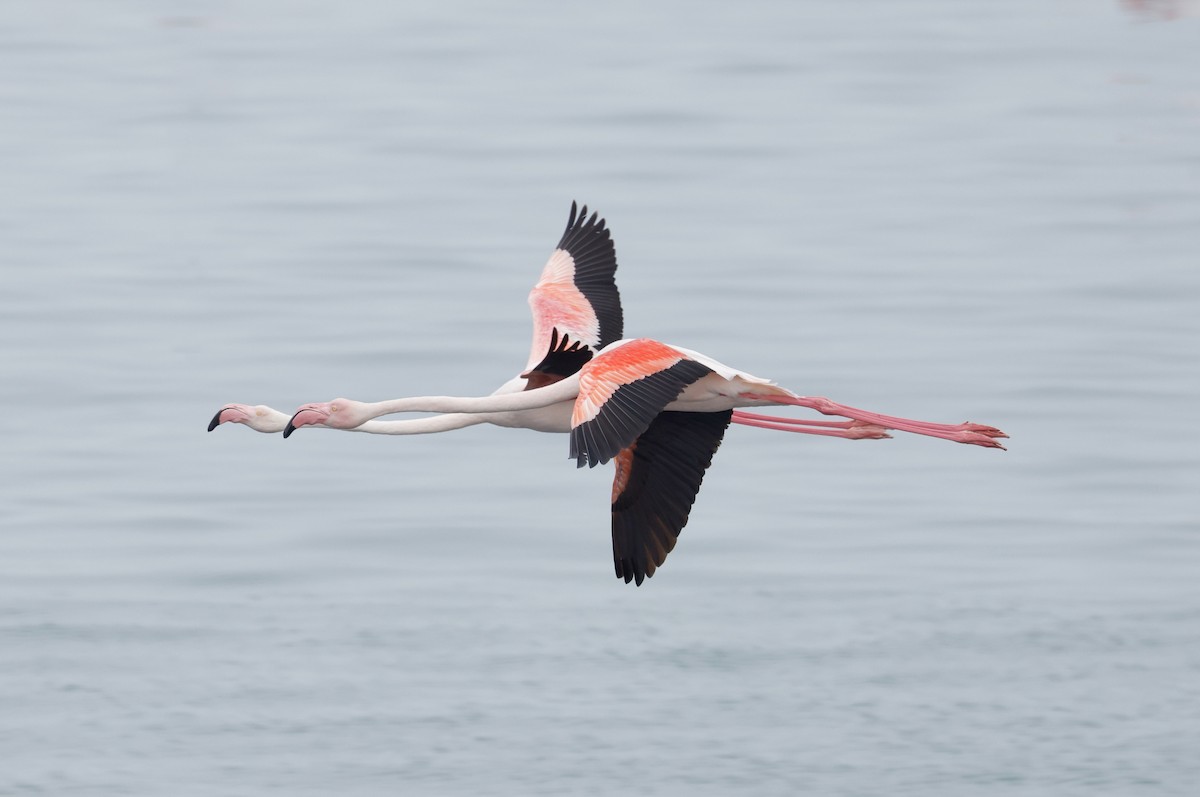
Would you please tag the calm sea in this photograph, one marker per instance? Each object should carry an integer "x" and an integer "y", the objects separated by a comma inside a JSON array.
[{"x": 945, "y": 210}]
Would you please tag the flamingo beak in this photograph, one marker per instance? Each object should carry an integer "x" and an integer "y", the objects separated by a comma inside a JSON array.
[
  {"x": 217, "y": 420},
  {"x": 305, "y": 416}
]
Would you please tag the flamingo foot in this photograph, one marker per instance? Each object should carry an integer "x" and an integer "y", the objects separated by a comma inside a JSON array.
[
  {"x": 976, "y": 439},
  {"x": 990, "y": 431}
]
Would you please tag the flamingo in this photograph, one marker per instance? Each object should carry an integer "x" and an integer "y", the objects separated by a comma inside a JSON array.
[
  {"x": 660, "y": 441},
  {"x": 659, "y": 412}
]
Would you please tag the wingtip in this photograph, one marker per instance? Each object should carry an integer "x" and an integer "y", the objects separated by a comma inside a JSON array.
[{"x": 626, "y": 571}]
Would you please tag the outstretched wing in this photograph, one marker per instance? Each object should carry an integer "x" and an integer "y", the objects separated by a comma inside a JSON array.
[
  {"x": 576, "y": 298},
  {"x": 621, "y": 392},
  {"x": 655, "y": 486}
]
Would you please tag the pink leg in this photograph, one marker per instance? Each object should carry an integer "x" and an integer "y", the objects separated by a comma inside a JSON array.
[
  {"x": 795, "y": 421},
  {"x": 849, "y": 430},
  {"x": 972, "y": 433}
]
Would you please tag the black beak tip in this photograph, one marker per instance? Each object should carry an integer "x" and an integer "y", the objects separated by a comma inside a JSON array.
[
  {"x": 287, "y": 431},
  {"x": 216, "y": 421}
]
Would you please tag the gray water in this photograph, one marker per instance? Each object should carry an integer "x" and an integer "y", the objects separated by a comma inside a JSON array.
[{"x": 950, "y": 211}]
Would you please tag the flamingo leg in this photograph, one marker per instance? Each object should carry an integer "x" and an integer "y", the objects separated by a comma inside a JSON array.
[
  {"x": 795, "y": 421},
  {"x": 970, "y": 433},
  {"x": 847, "y": 430}
]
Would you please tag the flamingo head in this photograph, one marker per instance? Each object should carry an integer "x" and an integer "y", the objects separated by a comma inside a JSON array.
[
  {"x": 337, "y": 414},
  {"x": 259, "y": 418}
]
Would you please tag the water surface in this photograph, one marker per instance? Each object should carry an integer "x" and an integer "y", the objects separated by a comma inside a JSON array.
[{"x": 933, "y": 209}]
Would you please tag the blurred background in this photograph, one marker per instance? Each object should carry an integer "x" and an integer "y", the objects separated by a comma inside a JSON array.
[{"x": 942, "y": 210}]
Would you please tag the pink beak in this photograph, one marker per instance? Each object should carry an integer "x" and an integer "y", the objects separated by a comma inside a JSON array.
[
  {"x": 306, "y": 416},
  {"x": 237, "y": 414}
]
